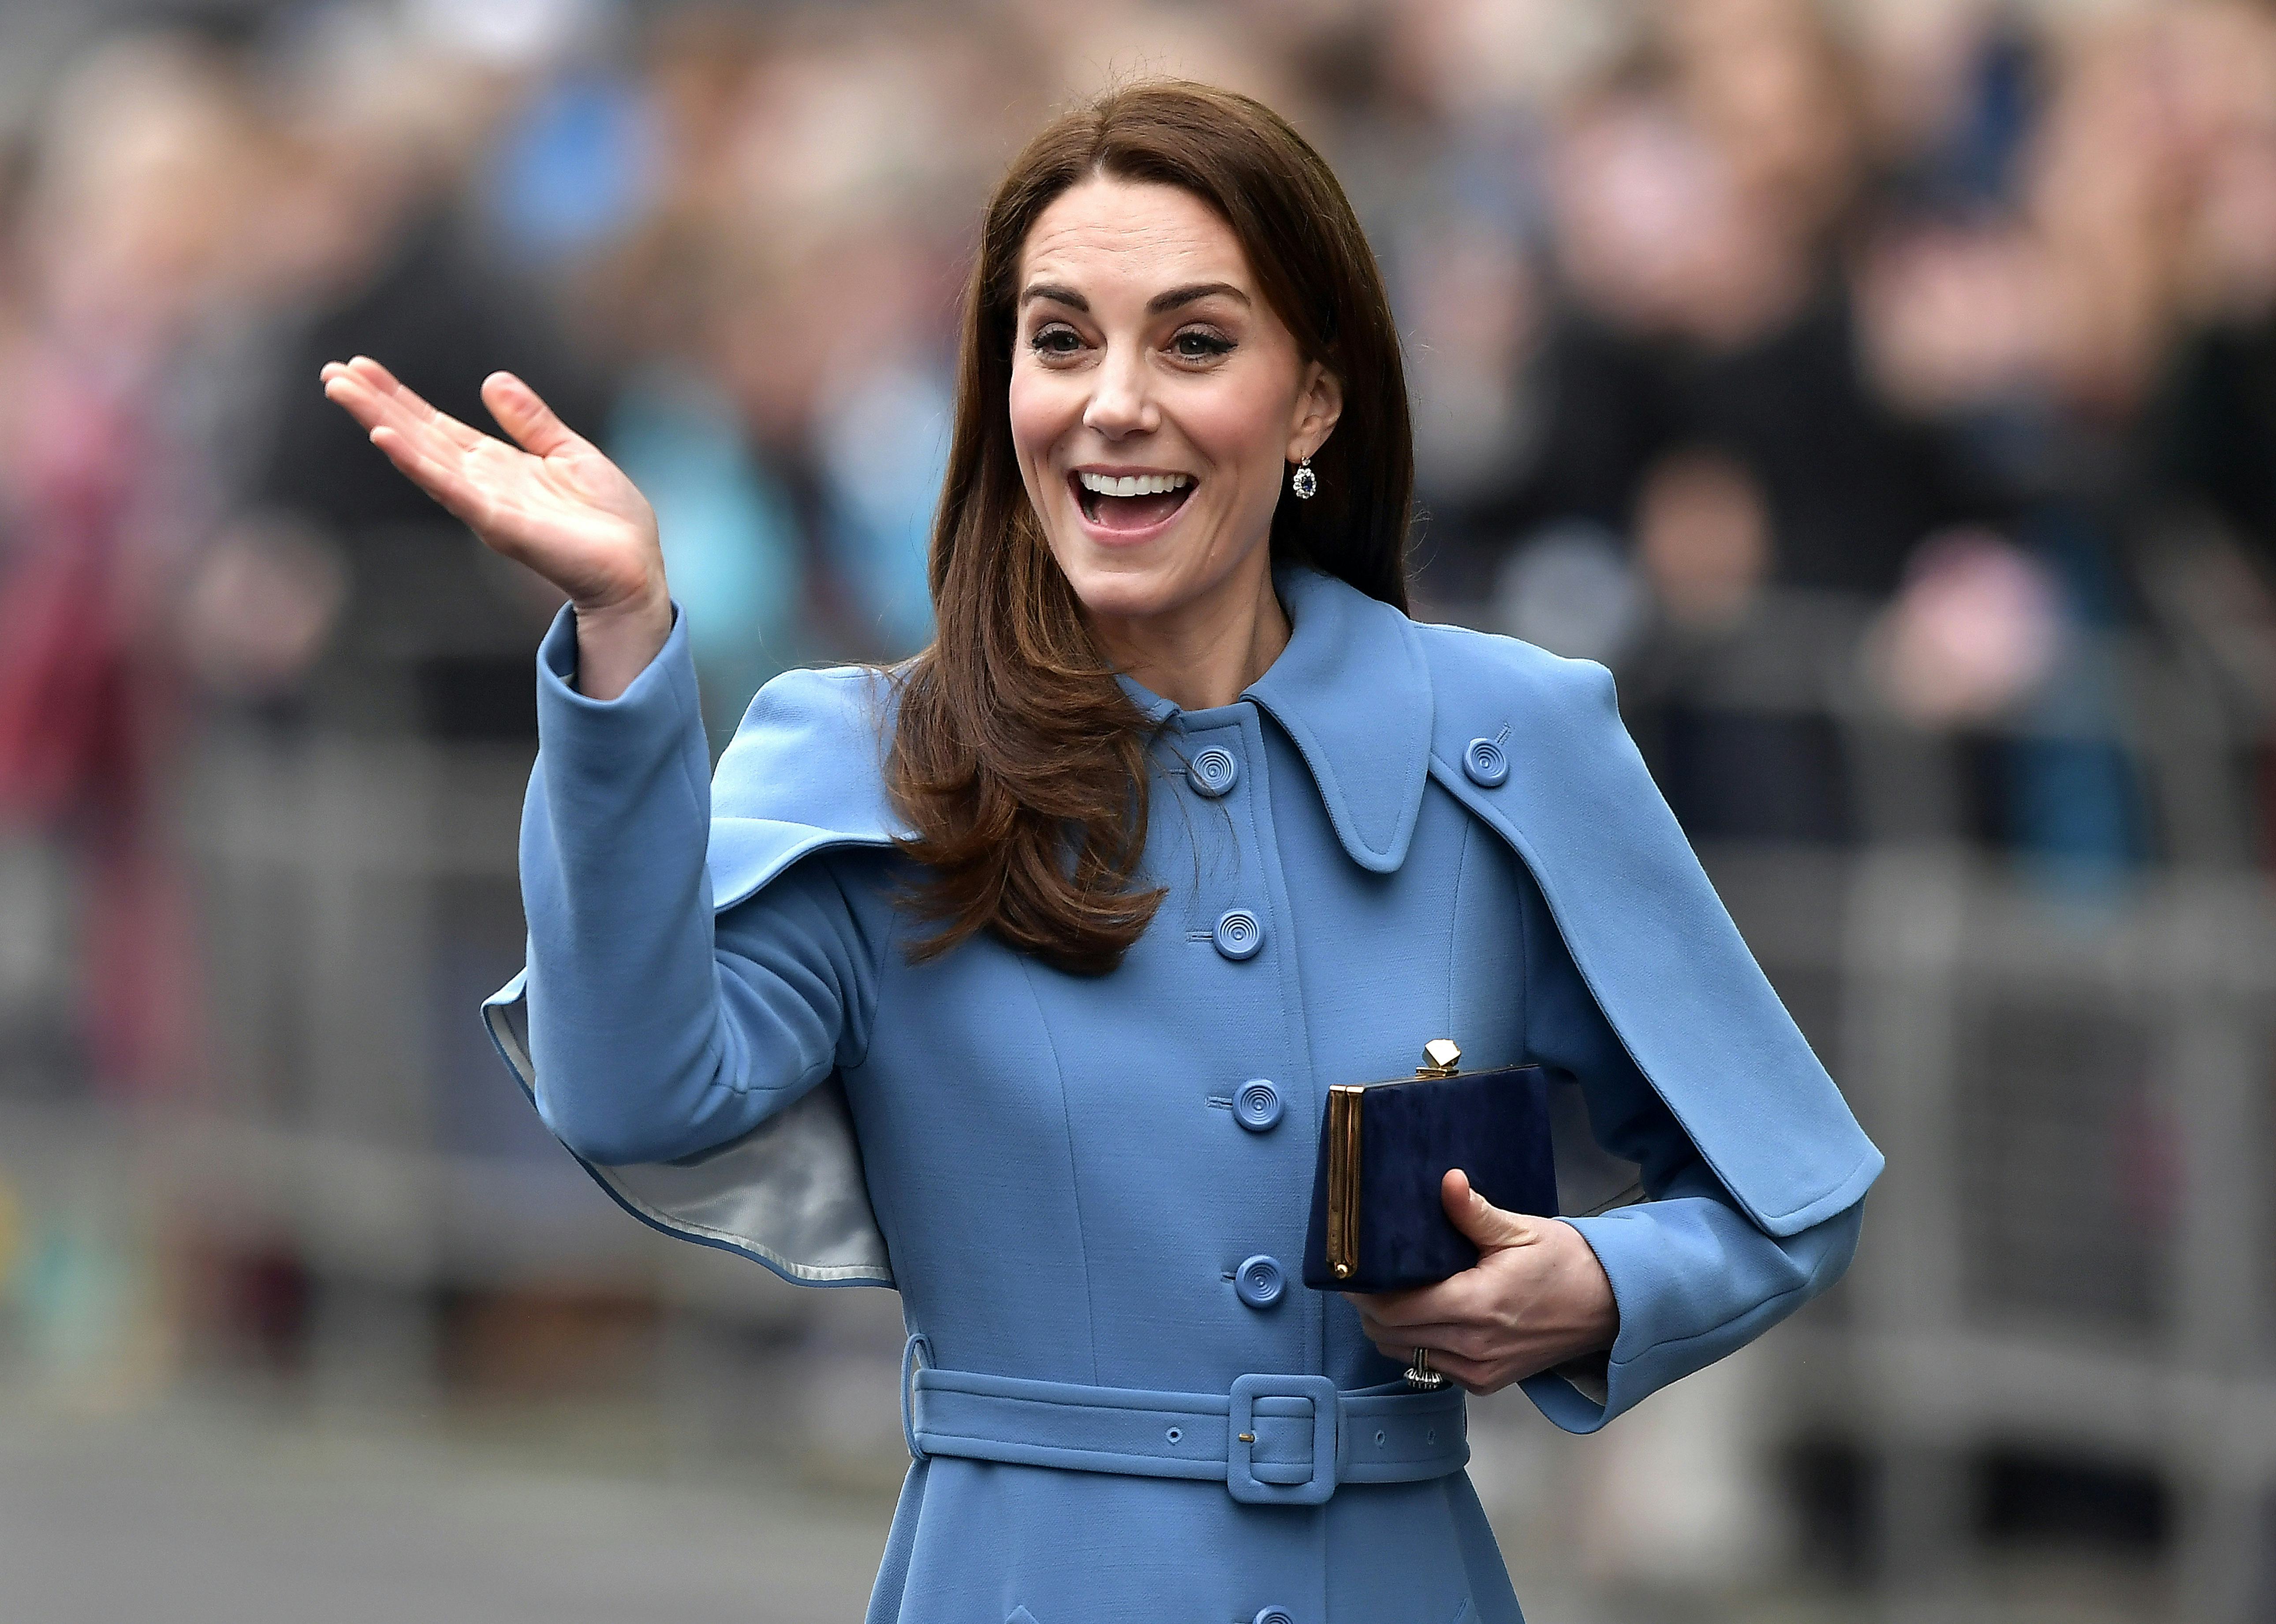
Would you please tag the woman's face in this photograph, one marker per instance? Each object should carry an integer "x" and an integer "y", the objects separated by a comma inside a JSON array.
[{"x": 1157, "y": 399}]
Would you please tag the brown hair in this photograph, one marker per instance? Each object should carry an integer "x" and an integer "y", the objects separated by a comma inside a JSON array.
[{"x": 1017, "y": 759}]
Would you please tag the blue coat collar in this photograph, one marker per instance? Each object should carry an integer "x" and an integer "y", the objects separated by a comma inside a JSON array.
[{"x": 1353, "y": 691}]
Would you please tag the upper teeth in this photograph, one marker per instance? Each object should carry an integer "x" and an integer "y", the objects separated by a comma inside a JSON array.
[{"x": 1135, "y": 484}]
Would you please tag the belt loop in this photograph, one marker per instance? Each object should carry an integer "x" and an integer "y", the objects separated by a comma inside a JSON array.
[{"x": 912, "y": 1361}]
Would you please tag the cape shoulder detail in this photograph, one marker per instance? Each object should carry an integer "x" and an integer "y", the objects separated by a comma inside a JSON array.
[
  {"x": 806, "y": 771},
  {"x": 1643, "y": 923}
]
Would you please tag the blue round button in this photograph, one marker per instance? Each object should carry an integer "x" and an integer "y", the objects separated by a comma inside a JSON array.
[
  {"x": 1239, "y": 934},
  {"x": 1258, "y": 1282},
  {"x": 1213, "y": 771},
  {"x": 1257, "y": 1105},
  {"x": 1274, "y": 1615},
  {"x": 1486, "y": 763}
]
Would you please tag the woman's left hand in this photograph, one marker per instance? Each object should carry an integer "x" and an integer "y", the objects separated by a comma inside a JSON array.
[{"x": 1536, "y": 1298}]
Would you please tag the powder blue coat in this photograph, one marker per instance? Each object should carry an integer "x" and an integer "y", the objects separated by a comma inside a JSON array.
[{"x": 1050, "y": 1169}]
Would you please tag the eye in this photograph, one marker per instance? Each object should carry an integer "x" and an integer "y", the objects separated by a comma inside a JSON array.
[
  {"x": 1199, "y": 344},
  {"x": 1055, "y": 339}
]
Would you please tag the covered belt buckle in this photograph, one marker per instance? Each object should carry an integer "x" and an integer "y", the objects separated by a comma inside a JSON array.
[{"x": 1240, "y": 1479}]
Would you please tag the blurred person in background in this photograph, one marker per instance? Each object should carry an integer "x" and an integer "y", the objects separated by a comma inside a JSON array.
[
  {"x": 2058, "y": 283},
  {"x": 128, "y": 250},
  {"x": 383, "y": 131},
  {"x": 1696, "y": 192},
  {"x": 906, "y": 995},
  {"x": 2209, "y": 569}
]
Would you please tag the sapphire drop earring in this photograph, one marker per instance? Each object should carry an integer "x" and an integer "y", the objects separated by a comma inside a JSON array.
[{"x": 1304, "y": 482}]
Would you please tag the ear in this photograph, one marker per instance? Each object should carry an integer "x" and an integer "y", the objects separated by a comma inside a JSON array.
[{"x": 1318, "y": 404}]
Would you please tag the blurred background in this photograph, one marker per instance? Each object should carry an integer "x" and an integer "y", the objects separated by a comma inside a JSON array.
[{"x": 1887, "y": 390}]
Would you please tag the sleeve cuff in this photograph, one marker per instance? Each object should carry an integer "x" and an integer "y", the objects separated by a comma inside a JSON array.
[
  {"x": 595, "y": 755},
  {"x": 1694, "y": 1279},
  {"x": 557, "y": 665},
  {"x": 1590, "y": 1375},
  {"x": 1582, "y": 1394}
]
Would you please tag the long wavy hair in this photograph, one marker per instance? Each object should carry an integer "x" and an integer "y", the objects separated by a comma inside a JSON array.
[{"x": 1017, "y": 759}]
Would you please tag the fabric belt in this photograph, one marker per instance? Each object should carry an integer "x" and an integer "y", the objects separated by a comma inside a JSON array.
[{"x": 1286, "y": 1440}]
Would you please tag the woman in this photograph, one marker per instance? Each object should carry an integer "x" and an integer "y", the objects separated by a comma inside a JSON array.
[{"x": 1026, "y": 965}]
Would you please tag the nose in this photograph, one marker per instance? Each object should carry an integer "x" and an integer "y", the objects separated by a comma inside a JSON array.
[{"x": 1121, "y": 404}]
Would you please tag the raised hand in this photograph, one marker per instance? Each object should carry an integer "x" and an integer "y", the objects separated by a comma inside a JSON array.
[{"x": 550, "y": 501}]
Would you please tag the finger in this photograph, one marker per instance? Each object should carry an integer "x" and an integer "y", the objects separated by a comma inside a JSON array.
[
  {"x": 1451, "y": 1341},
  {"x": 1467, "y": 1338},
  {"x": 1472, "y": 1375},
  {"x": 438, "y": 477},
  {"x": 533, "y": 424},
  {"x": 1488, "y": 1226},
  {"x": 436, "y": 432},
  {"x": 1395, "y": 1309},
  {"x": 343, "y": 388},
  {"x": 1451, "y": 1333},
  {"x": 405, "y": 403},
  {"x": 1456, "y": 1363},
  {"x": 1458, "y": 1298},
  {"x": 1459, "y": 1365}
]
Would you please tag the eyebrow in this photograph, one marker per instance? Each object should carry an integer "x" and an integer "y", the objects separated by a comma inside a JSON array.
[{"x": 1168, "y": 301}]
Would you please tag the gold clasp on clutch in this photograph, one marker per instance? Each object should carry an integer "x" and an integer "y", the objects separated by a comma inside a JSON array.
[
  {"x": 1343, "y": 1178},
  {"x": 1440, "y": 1057}
]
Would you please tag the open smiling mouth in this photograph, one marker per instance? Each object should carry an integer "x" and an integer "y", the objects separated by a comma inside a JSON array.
[{"x": 1131, "y": 502}]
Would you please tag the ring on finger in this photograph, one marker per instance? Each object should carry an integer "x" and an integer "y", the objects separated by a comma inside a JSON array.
[{"x": 1421, "y": 1377}]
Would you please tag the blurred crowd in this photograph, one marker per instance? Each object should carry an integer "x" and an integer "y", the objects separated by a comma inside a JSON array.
[{"x": 1911, "y": 359}]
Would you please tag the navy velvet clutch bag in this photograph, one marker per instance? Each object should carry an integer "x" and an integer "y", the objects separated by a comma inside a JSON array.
[{"x": 1378, "y": 1223}]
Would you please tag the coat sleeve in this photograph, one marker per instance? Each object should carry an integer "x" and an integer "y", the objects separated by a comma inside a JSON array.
[
  {"x": 1693, "y": 1276},
  {"x": 656, "y": 1029}
]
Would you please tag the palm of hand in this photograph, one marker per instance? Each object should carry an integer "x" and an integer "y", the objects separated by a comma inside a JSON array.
[{"x": 553, "y": 502}]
